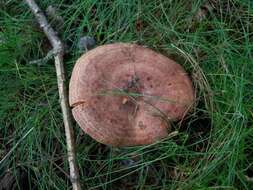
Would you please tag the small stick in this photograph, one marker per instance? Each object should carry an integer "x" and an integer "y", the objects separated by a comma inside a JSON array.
[
  {"x": 58, "y": 56},
  {"x": 43, "y": 60}
]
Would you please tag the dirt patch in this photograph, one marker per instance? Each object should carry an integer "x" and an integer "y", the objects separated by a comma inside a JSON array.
[{"x": 20, "y": 178}]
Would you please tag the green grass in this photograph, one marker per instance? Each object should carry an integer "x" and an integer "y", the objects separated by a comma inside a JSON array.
[{"x": 212, "y": 149}]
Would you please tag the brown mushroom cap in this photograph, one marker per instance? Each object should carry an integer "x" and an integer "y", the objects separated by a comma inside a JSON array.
[{"x": 124, "y": 94}]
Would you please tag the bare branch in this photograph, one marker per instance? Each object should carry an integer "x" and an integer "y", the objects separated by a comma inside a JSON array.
[
  {"x": 43, "y": 60},
  {"x": 48, "y": 30},
  {"x": 58, "y": 56}
]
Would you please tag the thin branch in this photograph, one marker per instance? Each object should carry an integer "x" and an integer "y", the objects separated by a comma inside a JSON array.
[
  {"x": 43, "y": 60},
  {"x": 58, "y": 56}
]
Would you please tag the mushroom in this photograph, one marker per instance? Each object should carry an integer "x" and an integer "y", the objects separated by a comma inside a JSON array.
[{"x": 125, "y": 95}]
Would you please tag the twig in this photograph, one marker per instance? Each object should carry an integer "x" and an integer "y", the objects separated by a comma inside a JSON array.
[
  {"x": 43, "y": 60},
  {"x": 58, "y": 56},
  {"x": 249, "y": 179}
]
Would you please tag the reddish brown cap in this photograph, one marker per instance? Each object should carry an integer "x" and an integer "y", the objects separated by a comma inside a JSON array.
[{"x": 124, "y": 94}]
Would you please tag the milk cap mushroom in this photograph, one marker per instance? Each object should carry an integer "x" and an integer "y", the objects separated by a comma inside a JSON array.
[{"x": 125, "y": 95}]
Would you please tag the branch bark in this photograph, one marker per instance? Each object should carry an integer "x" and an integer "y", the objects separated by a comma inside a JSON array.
[
  {"x": 43, "y": 60},
  {"x": 58, "y": 49}
]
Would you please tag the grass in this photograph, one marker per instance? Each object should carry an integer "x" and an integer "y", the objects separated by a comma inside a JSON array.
[{"x": 212, "y": 149}]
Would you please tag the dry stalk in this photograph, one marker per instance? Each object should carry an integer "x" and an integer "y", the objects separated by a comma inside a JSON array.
[{"x": 58, "y": 57}]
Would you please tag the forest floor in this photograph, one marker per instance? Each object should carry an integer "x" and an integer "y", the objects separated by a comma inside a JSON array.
[{"x": 211, "y": 149}]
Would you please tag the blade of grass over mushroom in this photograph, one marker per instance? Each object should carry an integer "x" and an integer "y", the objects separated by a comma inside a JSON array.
[
  {"x": 213, "y": 149},
  {"x": 135, "y": 95}
]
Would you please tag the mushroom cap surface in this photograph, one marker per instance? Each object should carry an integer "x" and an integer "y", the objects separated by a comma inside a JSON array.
[{"x": 125, "y": 95}]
